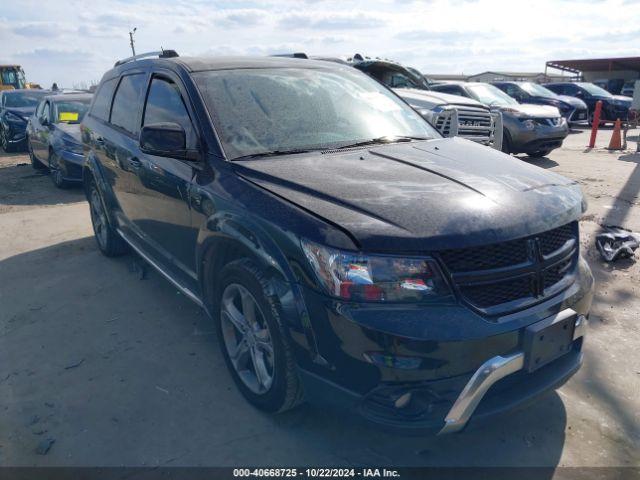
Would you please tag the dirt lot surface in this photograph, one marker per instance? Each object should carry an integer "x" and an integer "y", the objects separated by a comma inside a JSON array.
[{"x": 119, "y": 370}]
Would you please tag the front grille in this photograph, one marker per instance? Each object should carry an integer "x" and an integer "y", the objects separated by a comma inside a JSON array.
[
  {"x": 554, "y": 239},
  {"x": 505, "y": 276},
  {"x": 548, "y": 122},
  {"x": 474, "y": 123},
  {"x": 481, "y": 258},
  {"x": 488, "y": 295}
]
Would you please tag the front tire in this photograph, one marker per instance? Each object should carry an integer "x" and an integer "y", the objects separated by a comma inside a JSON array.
[
  {"x": 55, "y": 172},
  {"x": 6, "y": 146},
  {"x": 35, "y": 163},
  {"x": 253, "y": 342},
  {"x": 506, "y": 142},
  {"x": 109, "y": 241}
]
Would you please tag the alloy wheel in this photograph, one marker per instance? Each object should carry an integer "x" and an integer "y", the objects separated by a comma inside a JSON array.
[
  {"x": 54, "y": 170},
  {"x": 247, "y": 338}
]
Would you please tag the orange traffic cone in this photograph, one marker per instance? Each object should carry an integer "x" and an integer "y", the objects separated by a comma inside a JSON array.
[{"x": 616, "y": 139}]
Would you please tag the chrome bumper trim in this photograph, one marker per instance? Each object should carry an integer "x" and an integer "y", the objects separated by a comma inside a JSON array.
[{"x": 490, "y": 372}]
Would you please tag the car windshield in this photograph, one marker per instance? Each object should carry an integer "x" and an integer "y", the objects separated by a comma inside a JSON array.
[
  {"x": 490, "y": 95},
  {"x": 537, "y": 90},
  {"x": 71, "y": 111},
  {"x": 595, "y": 90},
  {"x": 261, "y": 111},
  {"x": 23, "y": 99}
]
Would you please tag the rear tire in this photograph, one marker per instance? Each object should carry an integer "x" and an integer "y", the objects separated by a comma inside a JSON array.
[
  {"x": 506, "y": 142},
  {"x": 55, "y": 172},
  {"x": 253, "y": 341},
  {"x": 109, "y": 241}
]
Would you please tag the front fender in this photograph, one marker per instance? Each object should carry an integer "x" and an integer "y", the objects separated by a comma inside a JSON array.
[{"x": 225, "y": 230}]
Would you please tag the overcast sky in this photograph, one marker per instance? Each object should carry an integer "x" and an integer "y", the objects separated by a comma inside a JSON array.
[{"x": 74, "y": 42}]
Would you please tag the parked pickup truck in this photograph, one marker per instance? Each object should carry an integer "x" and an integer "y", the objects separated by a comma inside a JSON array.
[{"x": 452, "y": 115}]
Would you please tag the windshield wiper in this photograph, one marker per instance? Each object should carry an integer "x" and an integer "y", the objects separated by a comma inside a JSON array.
[
  {"x": 275, "y": 153},
  {"x": 383, "y": 140}
]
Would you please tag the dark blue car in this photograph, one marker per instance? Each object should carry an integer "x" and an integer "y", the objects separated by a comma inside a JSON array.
[
  {"x": 53, "y": 136},
  {"x": 613, "y": 106},
  {"x": 571, "y": 108},
  {"x": 16, "y": 106}
]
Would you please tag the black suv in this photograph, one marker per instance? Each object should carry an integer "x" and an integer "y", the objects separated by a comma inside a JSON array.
[
  {"x": 346, "y": 252},
  {"x": 613, "y": 106}
]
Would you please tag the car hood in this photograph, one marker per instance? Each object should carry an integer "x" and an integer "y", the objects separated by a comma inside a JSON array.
[
  {"x": 429, "y": 98},
  {"x": 624, "y": 98},
  {"x": 419, "y": 196},
  {"x": 573, "y": 101},
  {"x": 533, "y": 111},
  {"x": 22, "y": 112},
  {"x": 70, "y": 131}
]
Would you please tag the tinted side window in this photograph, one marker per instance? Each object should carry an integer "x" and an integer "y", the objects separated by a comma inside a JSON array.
[
  {"x": 39, "y": 109},
  {"x": 46, "y": 112},
  {"x": 102, "y": 102},
  {"x": 165, "y": 104},
  {"x": 124, "y": 113}
]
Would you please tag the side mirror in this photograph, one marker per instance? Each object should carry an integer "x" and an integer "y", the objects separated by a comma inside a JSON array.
[
  {"x": 44, "y": 121},
  {"x": 166, "y": 139}
]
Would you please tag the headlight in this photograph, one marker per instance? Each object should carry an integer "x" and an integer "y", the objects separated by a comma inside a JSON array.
[
  {"x": 374, "y": 278},
  {"x": 429, "y": 115},
  {"x": 528, "y": 124}
]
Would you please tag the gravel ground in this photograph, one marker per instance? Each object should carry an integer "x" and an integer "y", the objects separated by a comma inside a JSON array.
[{"x": 105, "y": 368}]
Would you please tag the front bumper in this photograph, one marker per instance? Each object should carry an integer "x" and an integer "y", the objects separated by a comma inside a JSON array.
[
  {"x": 71, "y": 165},
  {"x": 16, "y": 135},
  {"x": 429, "y": 376},
  {"x": 542, "y": 137}
]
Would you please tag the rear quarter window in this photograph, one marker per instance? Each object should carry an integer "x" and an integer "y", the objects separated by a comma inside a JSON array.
[{"x": 102, "y": 103}]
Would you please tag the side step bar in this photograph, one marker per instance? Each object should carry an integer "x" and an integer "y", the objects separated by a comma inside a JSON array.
[{"x": 186, "y": 291}]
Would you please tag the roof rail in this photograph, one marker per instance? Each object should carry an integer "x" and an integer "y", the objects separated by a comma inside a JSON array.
[
  {"x": 159, "y": 54},
  {"x": 292, "y": 55}
]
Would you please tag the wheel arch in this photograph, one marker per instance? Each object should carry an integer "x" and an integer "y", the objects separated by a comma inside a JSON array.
[{"x": 227, "y": 238}]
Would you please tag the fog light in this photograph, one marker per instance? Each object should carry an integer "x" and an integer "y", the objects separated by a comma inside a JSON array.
[{"x": 403, "y": 400}]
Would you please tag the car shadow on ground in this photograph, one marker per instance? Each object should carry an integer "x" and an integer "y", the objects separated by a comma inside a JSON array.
[
  {"x": 20, "y": 185},
  {"x": 121, "y": 369},
  {"x": 542, "y": 162}
]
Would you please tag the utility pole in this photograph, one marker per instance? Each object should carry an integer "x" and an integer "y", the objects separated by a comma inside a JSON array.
[{"x": 133, "y": 48}]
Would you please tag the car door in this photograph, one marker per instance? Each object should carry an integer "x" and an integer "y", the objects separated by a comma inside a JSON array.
[
  {"x": 120, "y": 145},
  {"x": 43, "y": 131},
  {"x": 163, "y": 214},
  {"x": 34, "y": 127}
]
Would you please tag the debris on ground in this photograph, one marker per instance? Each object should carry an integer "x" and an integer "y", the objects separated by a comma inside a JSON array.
[
  {"x": 45, "y": 445},
  {"x": 74, "y": 365},
  {"x": 615, "y": 243},
  {"x": 139, "y": 267},
  {"x": 35, "y": 419}
]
